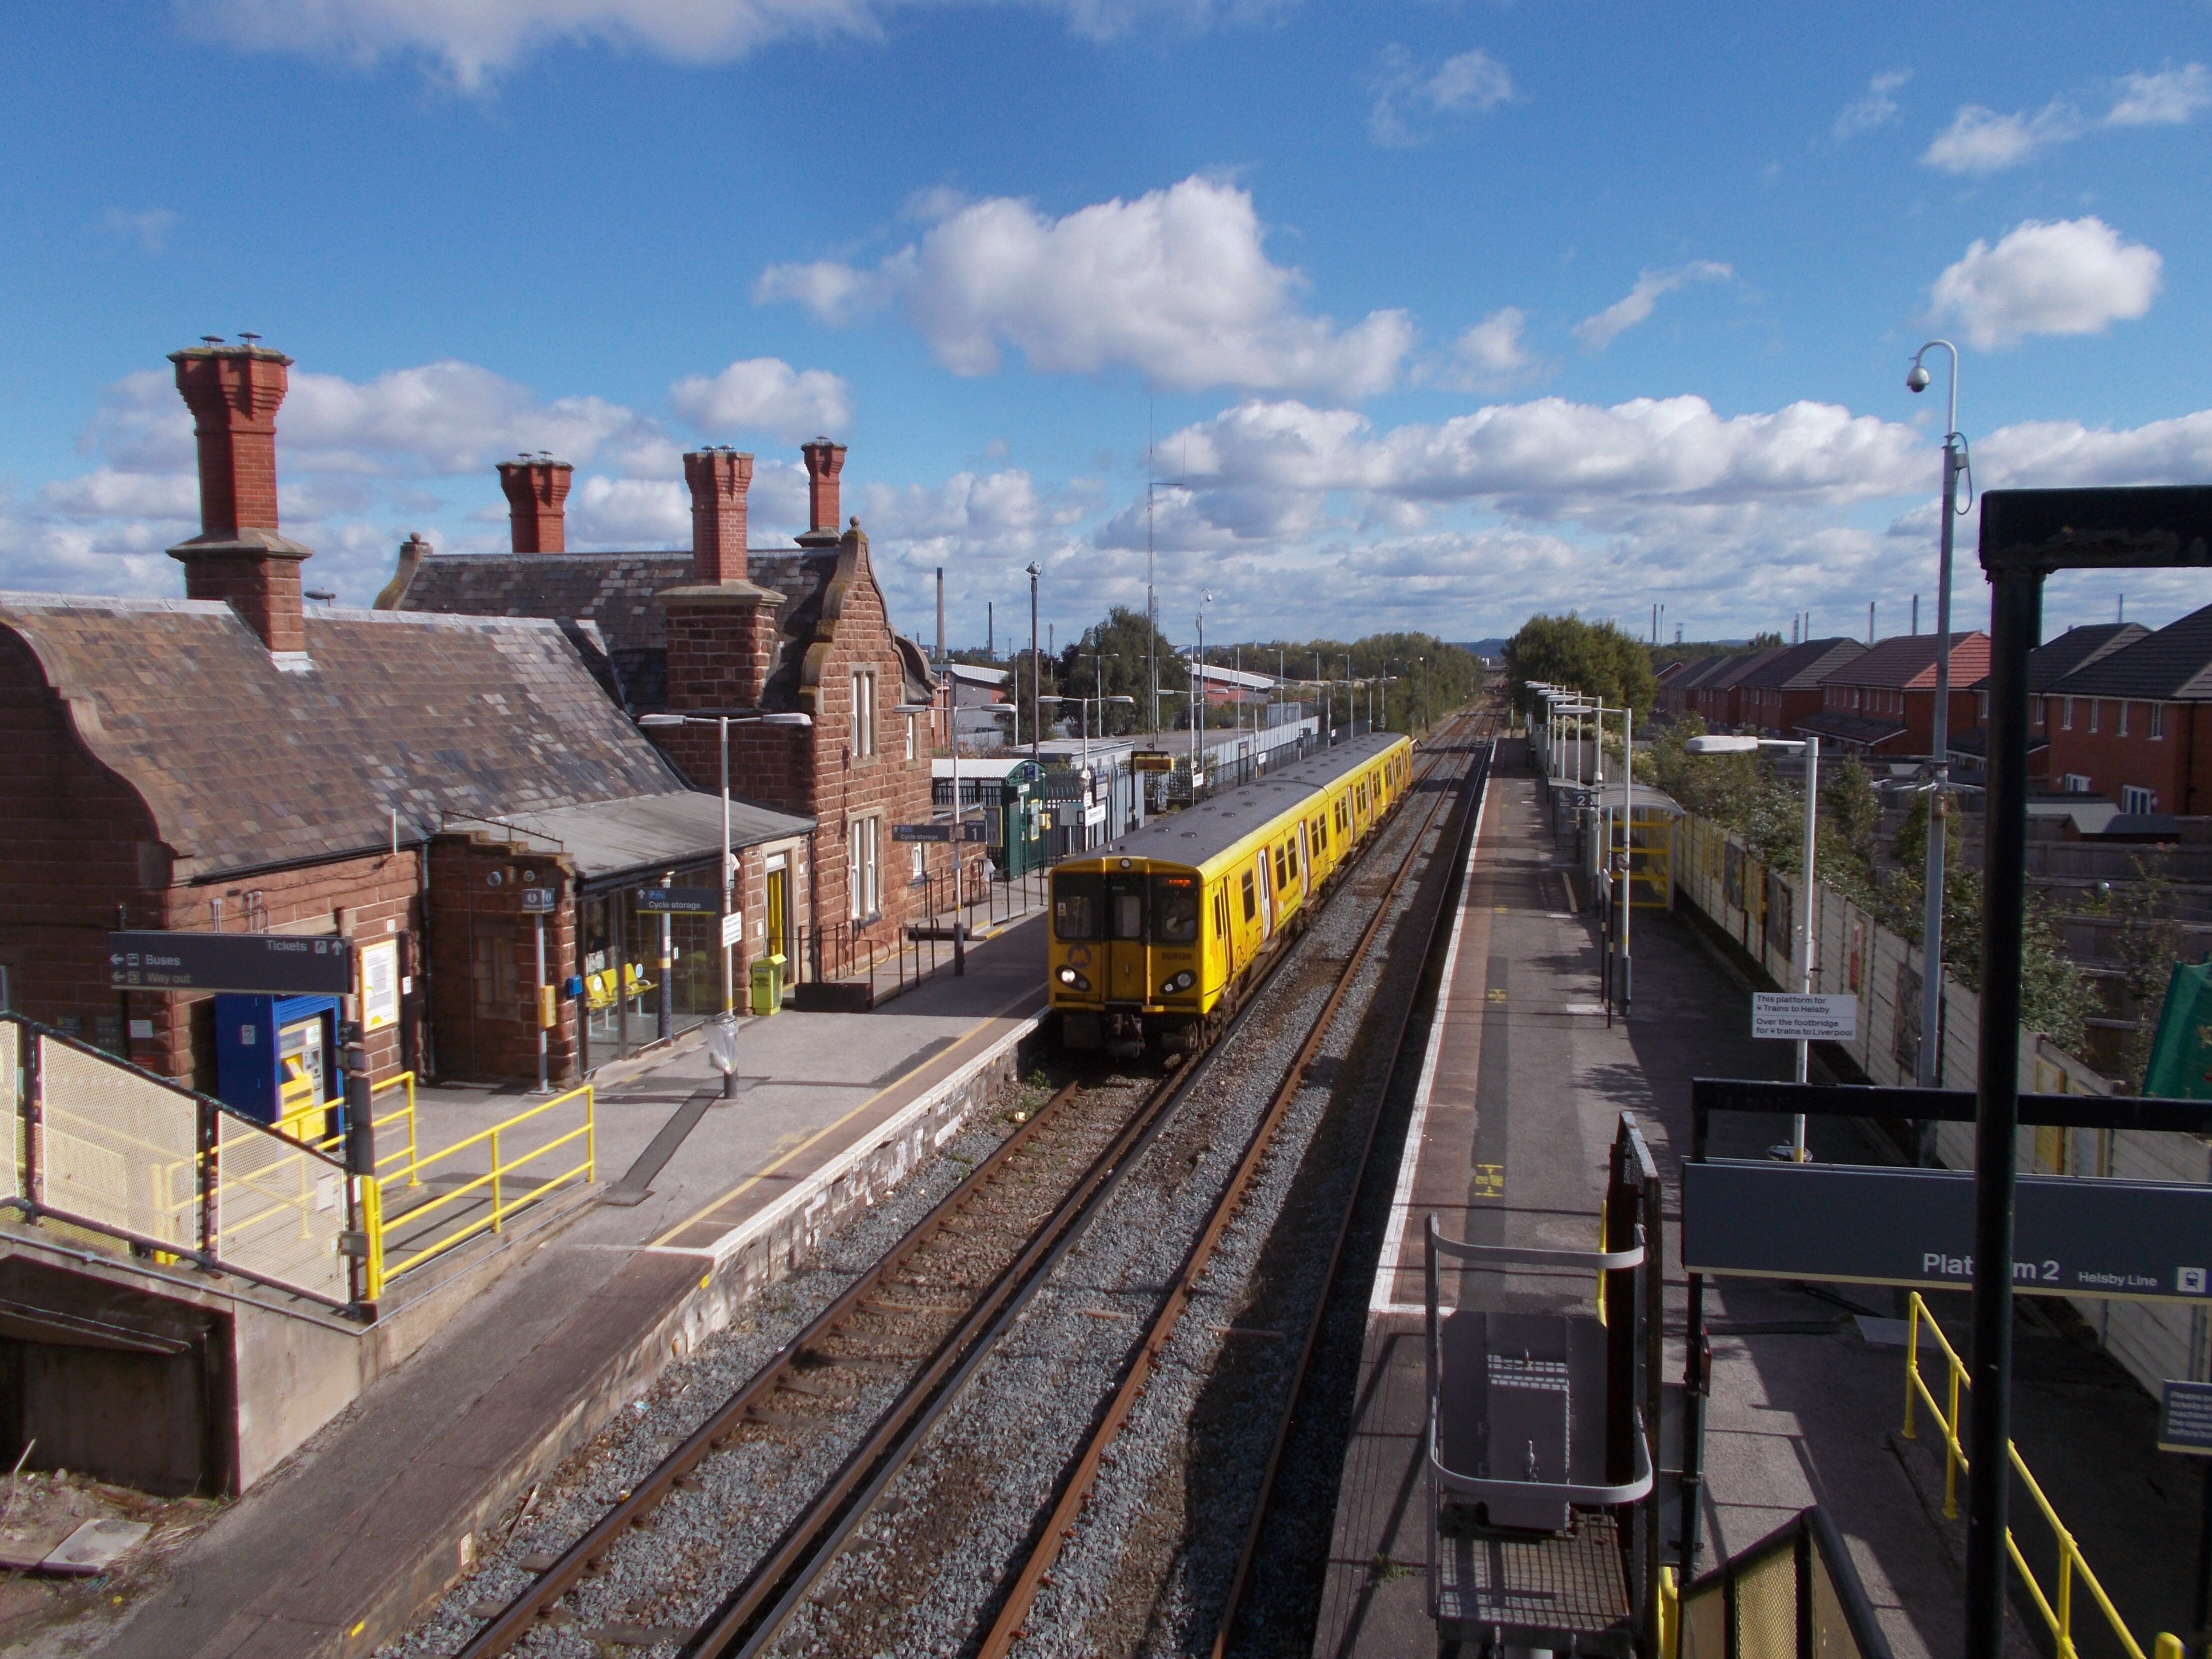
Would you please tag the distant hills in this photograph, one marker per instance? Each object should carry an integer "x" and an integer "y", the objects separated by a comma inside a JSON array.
[{"x": 1481, "y": 647}]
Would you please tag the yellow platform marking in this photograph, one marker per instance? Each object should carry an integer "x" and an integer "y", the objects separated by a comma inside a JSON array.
[
  {"x": 1490, "y": 1181},
  {"x": 1501, "y": 909},
  {"x": 1498, "y": 996}
]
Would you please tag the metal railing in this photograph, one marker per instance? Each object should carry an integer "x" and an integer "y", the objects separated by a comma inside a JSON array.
[
  {"x": 490, "y": 1197},
  {"x": 1793, "y": 1595},
  {"x": 2059, "y": 1613}
]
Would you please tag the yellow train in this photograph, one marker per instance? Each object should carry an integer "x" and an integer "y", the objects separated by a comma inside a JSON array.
[{"x": 1156, "y": 936}]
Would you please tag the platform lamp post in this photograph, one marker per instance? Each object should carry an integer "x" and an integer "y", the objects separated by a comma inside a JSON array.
[
  {"x": 1809, "y": 901},
  {"x": 722, "y": 1033},
  {"x": 1928, "y": 1065},
  {"x": 1036, "y": 670}
]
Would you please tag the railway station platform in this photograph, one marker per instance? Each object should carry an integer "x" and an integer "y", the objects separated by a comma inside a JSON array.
[
  {"x": 1522, "y": 1083},
  {"x": 699, "y": 1205}
]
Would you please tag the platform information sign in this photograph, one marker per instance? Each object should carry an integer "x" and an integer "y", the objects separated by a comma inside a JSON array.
[
  {"x": 280, "y": 964},
  {"x": 929, "y": 832},
  {"x": 2138, "y": 1241},
  {"x": 2185, "y": 1417},
  {"x": 679, "y": 901},
  {"x": 1791, "y": 1017},
  {"x": 733, "y": 929}
]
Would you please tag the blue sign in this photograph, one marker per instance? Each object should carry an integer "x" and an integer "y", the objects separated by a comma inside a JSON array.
[{"x": 2185, "y": 1417}]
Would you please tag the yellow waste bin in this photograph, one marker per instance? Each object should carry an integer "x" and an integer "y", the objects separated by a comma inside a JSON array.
[{"x": 768, "y": 984}]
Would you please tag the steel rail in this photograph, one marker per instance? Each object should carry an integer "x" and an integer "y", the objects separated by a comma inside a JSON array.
[
  {"x": 1009, "y": 1624},
  {"x": 748, "y": 1622},
  {"x": 521, "y": 1616},
  {"x": 1296, "y": 1397}
]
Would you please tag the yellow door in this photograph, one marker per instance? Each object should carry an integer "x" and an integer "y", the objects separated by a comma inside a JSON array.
[
  {"x": 779, "y": 913},
  {"x": 1125, "y": 964}
]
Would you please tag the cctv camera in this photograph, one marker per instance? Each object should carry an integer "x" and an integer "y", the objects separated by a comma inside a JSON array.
[{"x": 1917, "y": 379}]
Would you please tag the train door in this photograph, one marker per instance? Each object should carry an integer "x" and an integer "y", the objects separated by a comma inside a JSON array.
[
  {"x": 1306, "y": 862},
  {"x": 1126, "y": 965},
  {"x": 1266, "y": 895}
]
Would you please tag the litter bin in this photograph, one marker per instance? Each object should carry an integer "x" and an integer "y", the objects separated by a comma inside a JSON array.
[{"x": 768, "y": 984}]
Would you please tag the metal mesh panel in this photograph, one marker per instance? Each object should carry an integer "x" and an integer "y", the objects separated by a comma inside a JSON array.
[
  {"x": 1766, "y": 1608},
  {"x": 279, "y": 1209},
  {"x": 1705, "y": 1623},
  {"x": 1832, "y": 1633},
  {"x": 11, "y": 1102},
  {"x": 116, "y": 1148}
]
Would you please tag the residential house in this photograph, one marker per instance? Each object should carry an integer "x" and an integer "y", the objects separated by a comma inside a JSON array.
[
  {"x": 2135, "y": 724},
  {"x": 1789, "y": 685},
  {"x": 2048, "y": 664},
  {"x": 1882, "y": 702},
  {"x": 1717, "y": 697}
]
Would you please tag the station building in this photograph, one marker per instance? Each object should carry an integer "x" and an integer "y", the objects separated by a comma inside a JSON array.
[{"x": 458, "y": 784}]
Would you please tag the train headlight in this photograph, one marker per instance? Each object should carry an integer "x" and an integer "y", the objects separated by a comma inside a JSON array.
[
  {"x": 1182, "y": 981},
  {"x": 1073, "y": 981}
]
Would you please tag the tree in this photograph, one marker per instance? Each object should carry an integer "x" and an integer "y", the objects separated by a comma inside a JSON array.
[
  {"x": 1596, "y": 658},
  {"x": 1114, "y": 659}
]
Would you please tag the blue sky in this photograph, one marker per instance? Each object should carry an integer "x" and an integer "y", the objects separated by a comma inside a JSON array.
[{"x": 1441, "y": 312}]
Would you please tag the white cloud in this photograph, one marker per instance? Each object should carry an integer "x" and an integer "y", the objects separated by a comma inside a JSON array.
[
  {"x": 2170, "y": 98},
  {"x": 1493, "y": 355},
  {"x": 1873, "y": 108},
  {"x": 2073, "y": 276},
  {"x": 1980, "y": 140},
  {"x": 1176, "y": 284},
  {"x": 1409, "y": 95},
  {"x": 764, "y": 394},
  {"x": 1597, "y": 333},
  {"x": 149, "y": 226},
  {"x": 627, "y": 513},
  {"x": 468, "y": 41}
]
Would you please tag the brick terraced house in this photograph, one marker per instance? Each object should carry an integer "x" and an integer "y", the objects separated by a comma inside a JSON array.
[
  {"x": 2135, "y": 724},
  {"x": 725, "y": 628},
  {"x": 1788, "y": 686},
  {"x": 226, "y": 761},
  {"x": 1882, "y": 702}
]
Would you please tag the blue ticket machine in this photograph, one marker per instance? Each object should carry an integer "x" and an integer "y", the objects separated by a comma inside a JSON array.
[{"x": 277, "y": 1060}]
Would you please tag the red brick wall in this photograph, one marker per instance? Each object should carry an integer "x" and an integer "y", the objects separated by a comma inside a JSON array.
[
  {"x": 79, "y": 856},
  {"x": 2167, "y": 765},
  {"x": 476, "y": 925},
  {"x": 719, "y": 659}
]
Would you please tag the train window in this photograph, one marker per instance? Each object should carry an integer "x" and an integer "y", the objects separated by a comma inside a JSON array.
[
  {"x": 1221, "y": 911},
  {"x": 1076, "y": 901},
  {"x": 1251, "y": 898},
  {"x": 1125, "y": 909},
  {"x": 1282, "y": 869},
  {"x": 1175, "y": 909}
]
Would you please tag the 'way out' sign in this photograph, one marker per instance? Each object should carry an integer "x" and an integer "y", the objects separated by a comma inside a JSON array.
[{"x": 1804, "y": 1018}]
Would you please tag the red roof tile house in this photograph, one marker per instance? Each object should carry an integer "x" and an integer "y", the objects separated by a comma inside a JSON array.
[
  {"x": 1883, "y": 701},
  {"x": 726, "y": 628},
  {"x": 2136, "y": 724},
  {"x": 226, "y": 762},
  {"x": 1789, "y": 686}
]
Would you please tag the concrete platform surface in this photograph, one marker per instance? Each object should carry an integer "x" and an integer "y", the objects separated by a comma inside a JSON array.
[
  {"x": 1522, "y": 1087},
  {"x": 336, "y": 1551}
]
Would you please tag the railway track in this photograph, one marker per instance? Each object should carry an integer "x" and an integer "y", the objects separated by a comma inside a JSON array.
[{"x": 898, "y": 1352}]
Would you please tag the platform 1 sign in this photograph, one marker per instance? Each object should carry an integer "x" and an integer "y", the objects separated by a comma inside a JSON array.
[
  {"x": 283, "y": 965},
  {"x": 679, "y": 901},
  {"x": 2185, "y": 1417},
  {"x": 1794, "y": 1018},
  {"x": 2138, "y": 1241}
]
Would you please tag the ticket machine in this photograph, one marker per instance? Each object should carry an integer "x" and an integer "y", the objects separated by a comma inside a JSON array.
[{"x": 276, "y": 1061}]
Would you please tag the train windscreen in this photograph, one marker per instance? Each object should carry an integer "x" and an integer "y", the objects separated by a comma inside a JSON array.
[
  {"x": 1175, "y": 909},
  {"x": 1078, "y": 904}
]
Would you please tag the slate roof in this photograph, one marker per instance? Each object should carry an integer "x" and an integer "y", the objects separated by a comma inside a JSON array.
[
  {"x": 1907, "y": 661},
  {"x": 1804, "y": 667},
  {"x": 1863, "y": 730},
  {"x": 614, "y": 592},
  {"x": 610, "y": 839},
  {"x": 245, "y": 765},
  {"x": 1700, "y": 673},
  {"x": 1734, "y": 670},
  {"x": 2172, "y": 666},
  {"x": 2077, "y": 647}
]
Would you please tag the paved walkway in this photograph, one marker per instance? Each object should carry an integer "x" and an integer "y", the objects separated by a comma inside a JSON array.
[
  {"x": 334, "y": 1550},
  {"x": 1526, "y": 1084}
]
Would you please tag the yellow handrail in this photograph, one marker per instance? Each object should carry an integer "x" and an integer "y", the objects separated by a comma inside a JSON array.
[
  {"x": 2071, "y": 1562},
  {"x": 381, "y": 1273}
]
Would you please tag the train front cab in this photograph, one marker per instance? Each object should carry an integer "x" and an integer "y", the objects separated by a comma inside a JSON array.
[{"x": 1129, "y": 954}]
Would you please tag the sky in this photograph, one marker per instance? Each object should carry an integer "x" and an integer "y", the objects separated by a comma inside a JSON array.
[{"x": 1422, "y": 316}]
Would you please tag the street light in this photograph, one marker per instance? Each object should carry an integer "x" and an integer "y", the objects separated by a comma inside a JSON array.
[
  {"x": 1929, "y": 1061},
  {"x": 722, "y": 1035},
  {"x": 1809, "y": 900},
  {"x": 1036, "y": 668}
]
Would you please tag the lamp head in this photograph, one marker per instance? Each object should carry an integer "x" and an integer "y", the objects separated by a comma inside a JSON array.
[
  {"x": 1720, "y": 744},
  {"x": 1916, "y": 379}
]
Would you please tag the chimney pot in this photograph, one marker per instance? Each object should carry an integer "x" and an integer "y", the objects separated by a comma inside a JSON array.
[
  {"x": 536, "y": 486},
  {"x": 719, "y": 479},
  {"x": 233, "y": 392},
  {"x": 824, "y": 461}
]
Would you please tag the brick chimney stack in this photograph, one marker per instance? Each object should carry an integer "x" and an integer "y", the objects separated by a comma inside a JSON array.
[
  {"x": 824, "y": 461},
  {"x": 719, "y": 479},
  {"x": 536, "y": 486},
  {"x": 238, "y": 556}
]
